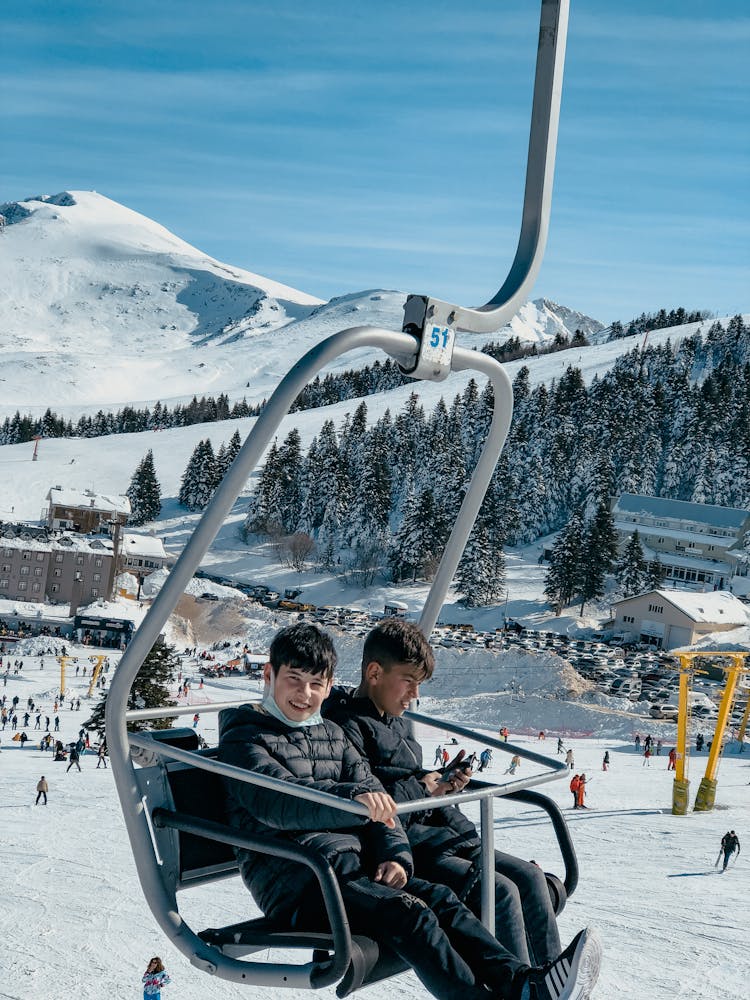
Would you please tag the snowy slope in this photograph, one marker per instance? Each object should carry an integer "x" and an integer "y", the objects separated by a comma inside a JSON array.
[
  {"x": 95, "y": 298},
  {"x": 75, "y": 923},
  {"x": 101, "y": 306}
]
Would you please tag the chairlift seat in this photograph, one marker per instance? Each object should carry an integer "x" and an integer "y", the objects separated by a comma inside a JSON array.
[{"x": 193, "y": 815}]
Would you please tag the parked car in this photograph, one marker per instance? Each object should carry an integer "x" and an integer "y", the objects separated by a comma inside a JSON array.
[{"x": 205, "y": 596}]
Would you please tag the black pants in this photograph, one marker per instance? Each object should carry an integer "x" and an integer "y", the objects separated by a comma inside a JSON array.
[
  {"x": 453, "y": 955},
  {"x": 71, "y": 764},
  {"x": 525, "y": 921},
  {"x": 38, "y": 796}
]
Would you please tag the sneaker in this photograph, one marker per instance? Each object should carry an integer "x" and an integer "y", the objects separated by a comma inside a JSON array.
[{"x": 572, "y": 976}]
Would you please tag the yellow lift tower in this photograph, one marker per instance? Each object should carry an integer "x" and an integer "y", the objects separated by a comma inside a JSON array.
[
  {"x": 62, "y": 661},
  {"x": 98, "y": 662},
  {"x": 706, "y": 796}
]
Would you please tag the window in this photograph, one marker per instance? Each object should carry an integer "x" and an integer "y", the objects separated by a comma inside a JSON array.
[
  {"x": 629, "y": 619},
  {"x": 37, "y": 571},
  {"x": 36, "y": 587},
  {"x": 8, "y": 553},
  {"x": 79, "y": 560},
  {"x": 94, "y": 592},
  {"x": 657, "y": 609},
  {"x": 3, "y": 584},
  {"x": 40, "y": 557},
  {"x": 660, "y": 541},
  {"x": 98, "y": 561},
  {"x": 26, "y": 555},
  {"x": 97, "y": 577},
  {"x": 57, "y": 572},
  {"x": 55, "y": 588},
  {"x": 6, "y": 567},
  {"x": 24, "y": 571},
  {"x": 59, "y": 557},
  {"x": 22, "y": 585}
]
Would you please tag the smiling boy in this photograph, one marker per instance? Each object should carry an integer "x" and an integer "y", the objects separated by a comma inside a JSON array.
[{"x": 425, "y": 924}]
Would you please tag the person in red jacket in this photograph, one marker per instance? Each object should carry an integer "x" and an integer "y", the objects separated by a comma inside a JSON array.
[
  {"x": 574, "y": 783},
  {"x": 672, "y": 762}
]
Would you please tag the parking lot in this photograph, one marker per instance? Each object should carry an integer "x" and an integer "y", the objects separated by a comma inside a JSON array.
[{"x": 645, "y": 676}]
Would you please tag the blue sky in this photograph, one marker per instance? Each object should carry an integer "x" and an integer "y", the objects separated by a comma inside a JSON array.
[{"x": 339, "y": 146}]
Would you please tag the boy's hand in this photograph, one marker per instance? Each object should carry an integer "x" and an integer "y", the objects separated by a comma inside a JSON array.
[
  {"x": 391, "y": 873},
  {"x": 380, "y": 805},
  {"x": 431, "y": 782},
  {"x": 448, "y": 783}
]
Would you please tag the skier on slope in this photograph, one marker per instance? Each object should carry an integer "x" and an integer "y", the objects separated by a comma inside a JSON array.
[
  {"x": 574, "y": 783},
  {"x": 730, "y": 843}
]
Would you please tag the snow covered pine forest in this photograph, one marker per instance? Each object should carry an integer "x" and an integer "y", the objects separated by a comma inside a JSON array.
[{"x": 381, "y": 496}]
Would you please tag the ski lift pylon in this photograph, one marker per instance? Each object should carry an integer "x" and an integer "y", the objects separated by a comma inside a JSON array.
[{"x": 168, "y": 842}]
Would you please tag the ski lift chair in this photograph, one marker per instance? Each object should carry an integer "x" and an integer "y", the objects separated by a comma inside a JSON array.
[
  {"x": 182, "y": 795},
  {"x": 172, "y": 801}
]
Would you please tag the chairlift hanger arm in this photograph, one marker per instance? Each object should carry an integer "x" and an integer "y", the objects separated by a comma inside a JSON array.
[{"x": 540, "y": 167}]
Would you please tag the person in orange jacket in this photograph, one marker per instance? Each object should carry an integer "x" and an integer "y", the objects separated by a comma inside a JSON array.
[
  {"x": 581, "y": 792},
  {"x": 672, "y": 762},
  {"x": 574, "y": 783}
]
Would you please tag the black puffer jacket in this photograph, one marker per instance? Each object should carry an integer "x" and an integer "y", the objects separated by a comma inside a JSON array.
[
  {"x": 395, "y": 757},
  {"x": 320, "y": 757}
]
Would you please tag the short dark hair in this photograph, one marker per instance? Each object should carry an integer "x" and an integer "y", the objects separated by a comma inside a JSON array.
[
  {"x": 394, "y": 641},
  {"x": 305, "y": 647}
]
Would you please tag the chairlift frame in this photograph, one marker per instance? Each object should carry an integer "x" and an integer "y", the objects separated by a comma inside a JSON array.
[{"x": 425, "y": 349}]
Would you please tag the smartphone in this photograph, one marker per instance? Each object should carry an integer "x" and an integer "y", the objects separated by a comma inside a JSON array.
[{"x": 453, "y": 765}]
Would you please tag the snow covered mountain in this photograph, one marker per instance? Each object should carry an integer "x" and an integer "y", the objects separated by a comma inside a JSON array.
[{"x": 100, "y": 305}]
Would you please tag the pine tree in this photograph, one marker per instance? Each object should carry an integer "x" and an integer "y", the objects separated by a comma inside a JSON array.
[
  {"x": 599, "y": 552},
  {"x": 632, "y": 567},
  {"x": 563, "y": 577},
  {"x": 291, "y": 478},
  {"x": 481, "y": 571},
  {"x": 150, "y": 690},
  {"x": 655, "y": 574},
  {"x": 199, "y": 478},
  {"x": 413, "y": 547},
  {"x": 144, "y": 492}
]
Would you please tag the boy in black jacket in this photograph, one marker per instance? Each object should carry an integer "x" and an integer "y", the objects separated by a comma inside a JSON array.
[
  {"x": 448, "y": 948},
  {"x": 446, "y": 846}
]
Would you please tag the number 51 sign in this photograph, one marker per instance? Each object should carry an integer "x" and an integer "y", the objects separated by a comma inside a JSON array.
[{"x": 435, "y": 352}]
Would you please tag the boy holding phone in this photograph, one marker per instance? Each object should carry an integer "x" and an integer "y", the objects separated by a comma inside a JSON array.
[{"x": 445, "y": 844}]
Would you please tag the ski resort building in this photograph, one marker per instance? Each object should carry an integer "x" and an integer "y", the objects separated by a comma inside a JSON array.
[
  {"x": 142, "y": 554},
  {"x": 668, "y": 619},
  {"x": 84, "y": 511},
  {"x": 699, "y": 545},
  {"x": 57, "y": 567}
]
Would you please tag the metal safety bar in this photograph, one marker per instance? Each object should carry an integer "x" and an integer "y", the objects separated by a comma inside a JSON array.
[{"x": 479, "y": 791}]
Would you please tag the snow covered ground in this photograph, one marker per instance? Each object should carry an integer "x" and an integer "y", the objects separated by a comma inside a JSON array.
[{"x": 74, "y": 923}]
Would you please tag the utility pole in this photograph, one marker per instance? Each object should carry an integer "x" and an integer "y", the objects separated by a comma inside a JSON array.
[{"x": 115, "y": 523}]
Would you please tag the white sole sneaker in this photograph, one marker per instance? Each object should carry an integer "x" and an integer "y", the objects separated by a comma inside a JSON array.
[
  {"x": 574, "y": 974},
  {"x": 584, "y": 967}
]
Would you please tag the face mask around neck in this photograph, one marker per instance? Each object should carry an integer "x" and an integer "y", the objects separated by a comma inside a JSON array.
[{"x": 269, "y": 704}]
